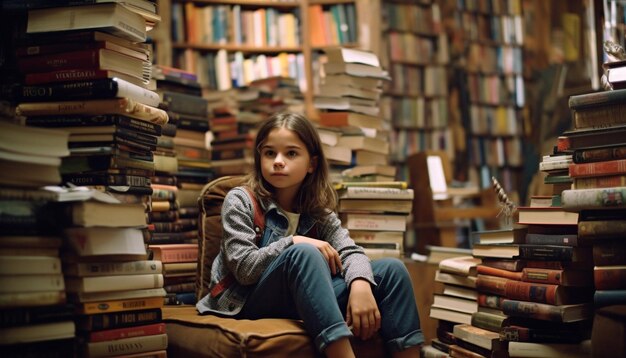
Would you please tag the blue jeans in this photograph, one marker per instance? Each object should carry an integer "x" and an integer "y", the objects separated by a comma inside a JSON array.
[{"x": 298, "y": 285}]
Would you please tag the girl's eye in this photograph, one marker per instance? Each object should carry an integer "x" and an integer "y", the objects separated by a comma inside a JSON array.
[
  {"x": 268, "y": 153},
  {"x": 292, "y": 153}
]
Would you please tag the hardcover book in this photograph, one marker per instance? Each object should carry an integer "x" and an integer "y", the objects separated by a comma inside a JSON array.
[
  {"x": 547, "y": 312},
  {"x": 596, "y": 198}
]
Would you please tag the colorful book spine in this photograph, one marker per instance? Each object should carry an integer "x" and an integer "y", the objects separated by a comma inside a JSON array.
[
  {"x": 120, "y": 305},
  {"x": 487, "y": 270},
  {"x": 603, "y": 168},
  {"x": 597, "y": 198},
  {"x": 121, "y": 333},
  {"x": 609, "y": 277}
]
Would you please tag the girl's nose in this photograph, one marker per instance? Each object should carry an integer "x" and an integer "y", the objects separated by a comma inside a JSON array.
[{"x": 278, "y": 162}]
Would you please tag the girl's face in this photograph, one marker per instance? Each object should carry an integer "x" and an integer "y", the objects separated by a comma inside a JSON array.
[{"x": 285, "y": 160}]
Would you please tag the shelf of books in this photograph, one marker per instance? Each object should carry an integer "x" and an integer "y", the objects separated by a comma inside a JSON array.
[
  {"x": 416, "y": 99},
  {"x": 86, "y": 75},
  {"x": 492, "y": 89}
]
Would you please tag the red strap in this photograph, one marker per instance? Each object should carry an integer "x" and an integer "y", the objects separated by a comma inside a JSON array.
[{"x": 259, "y": 227}]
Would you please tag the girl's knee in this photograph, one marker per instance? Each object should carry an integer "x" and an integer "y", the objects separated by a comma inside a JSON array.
[{"x": 390, "y": 267}]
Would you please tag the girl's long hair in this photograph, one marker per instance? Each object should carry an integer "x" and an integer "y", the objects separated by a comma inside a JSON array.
[{"x": 316, "y": 196}]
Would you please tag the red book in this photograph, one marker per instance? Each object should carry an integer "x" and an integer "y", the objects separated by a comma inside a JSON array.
[
  {"x": 175, "y": 252},
  {"x": 544, "y": 293},
  {"x": 611, "y": 167},
  {"x": 342, "y": 119},
  {"x": 493, "y": 271},
  {"x": 119, "y": 333},
  {"x": 610, "y": 277},
  {"x": 66, "y": 47},
  {"x": 493, "y": 301},
  {"x": 491, "y": 284},
  {"x": 558, "y": 277},
  {"x": 78, "y": 75}
]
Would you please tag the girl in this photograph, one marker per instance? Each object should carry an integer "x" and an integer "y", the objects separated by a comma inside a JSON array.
[{"x": 305, "y": 256}]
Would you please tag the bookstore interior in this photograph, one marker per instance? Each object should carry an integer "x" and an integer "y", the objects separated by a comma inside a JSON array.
[{"x": 481, "y": 142}]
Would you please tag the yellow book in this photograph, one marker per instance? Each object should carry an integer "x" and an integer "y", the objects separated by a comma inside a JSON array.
[
  {"x": 381, "y": 184},
  {"x": 120, "y": 306}
]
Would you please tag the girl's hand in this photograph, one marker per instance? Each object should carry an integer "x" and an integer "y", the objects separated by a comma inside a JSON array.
[
  {"x": 330, "y": 254},
  {"x": 362, "y": 313}
]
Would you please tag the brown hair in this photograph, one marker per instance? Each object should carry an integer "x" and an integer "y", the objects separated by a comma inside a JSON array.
[{"x": 316, "y": 196}]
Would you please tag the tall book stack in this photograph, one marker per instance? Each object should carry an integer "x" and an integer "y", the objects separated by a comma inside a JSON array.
[
  {"x": 597, "y": 195},
  {"x": 179, "y": 271},
  {"x": 177, "y": 186},
  {"x": 34, "y": 315},
  {"x": 538, "y": 283},
  {"x": 375, "y": 214},
  {"x": 349, "y": 100},
  {"x": 87, "y": 71}
]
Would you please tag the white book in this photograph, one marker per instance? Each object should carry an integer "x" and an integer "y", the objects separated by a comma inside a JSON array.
[
  {"x": 105, "y": 241},
  {"x": 376, "y": 222},
  {"x": 112, "y": 18},
  {"x": 31, "y": 283},
  {"x": 29, "y": 265},
  {"x": 357, "y": 192},
  {"x": 126, "y": 346},
  {"x": 116, "y": 295},
  {"x": 348, "y": 55},
  {"x": 87, "y": 269},
  {"x": 37, "y": 332},
  {"x": 449, "y": 315},
  {"x": 113, "y": 283}
]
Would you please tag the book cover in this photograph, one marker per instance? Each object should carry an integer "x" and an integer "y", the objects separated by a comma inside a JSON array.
[
  {"x": 491, "y": 284},
  {"x": 29, "y": 265},
  {"x": 376, "y": 222},
  {"x": 375, "y": 205},
  {"x": 32, "y": 299},
  {"x": 85, "y": 269},
  {"x": 601, "y": 229},
  {"x": 116, "y": 295},
  {"x": 98, "y": 214},
  {"x": 546, "y": 293},
  {"x": 546, "y": 216},
  {"x": 174, "y": 252},
  {"x": 515, "y": 265},
  {"x": 503, "y": 236},
  {"x": 493, "y": 271},
  {"x": 450, "y": 315},
  {"x": 33, "y": 315},
  {"x": 571, "y": 333},
  {"x": 37, "y": 332},
  {"x": 374, "y": 192},
  {"x": 344, "y": 118},
  {"x": 553, "y": 239},
  {"x": 130, "y": 345},
  {"x": 582, "y": 138},
  {"x": 465, "y": 281},
  {"x": 607, "y": 181},
  {"x": 31, "y": 283},
  {"x": 462, "y": 265},
  {"x": 564, "y": 277},
  {"x": 119, "y": 305},
  {"x": 601, "y": 168},
  {"x": 599, "y": 154},
  {"x": 609, "y": 253},
  {"x": 97, "y": 241},
  {"x": 121, "y": 333},
  {"x": 554, "y": 350},
  {"x": 104, "y": 321},
  {"x": 478, "y": 336},
  {"x": 603, "y": 298},
  {"x": 547, "y": 312},
  {"x": 609, "y": 277},
  {"x": 596, "y": 198}
]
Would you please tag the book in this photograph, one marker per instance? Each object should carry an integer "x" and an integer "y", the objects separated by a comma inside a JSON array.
[
  {"x": 96, "y": 89},
  {"x": 595, "y": 169},
  {"x": 390, "y": 184},
  {"x": 82, "y": 40},
  {"x": 493, "y": 271},
  {"x": 82, "y": 74},
  {"x": 37, "y": 332},
  {"x": 102, "y": 321},
  {"x": 375, "y": 205},
  {"x": 602, "y": 298},
  {"x": 41, "y": 141},
  {"x": 452, "y": 279},
  {"x": 97, "y": 241},
  {"x": 29, "y": 265},
  {"x": 138, "y": 344},
  {"x": 174, "y": 252},
  {"x": 596, "y": 198},
  {"x": 366, "y": 170},
  {"x": 116, "y": 295},
  {"x": 119, "y": 305},
  {"x": 461, "y": 265},
  {"x": 85, "y": 269},
  {"x": 547, "y": 312},
  {"x": 120, "y": 333},
  {"x": 89, "y": 124},
  {"x": 353, "y": 104},
  {"x": 377, "y": 222},
  {"x": 609, "y": 277},
  {"x": 461, "y": 292},
  {"x": 608, "y": 331},
  {"x": 93, "y": 213},
  {"x": 364, "y": 143},
  {"x": 450, "y": 315},
  {"x": 478, "y": 336},
  {"x": 562, "y": 277},
  {"x": 113, "y": 283},
  {"x": 599, "y": 229},
  {"x": 556, "y": 350},
  {"x": 341, "y": 79},
  {"x": 121, "y": 106},
  {"x": 355, "y": 69},
  {"x": 600, "y": 182},
  {"x": 502, "y": 236},
  {"x": 533, "y": 252},
  {"x": 583, "y": 138},
  {"x": 546, "y": 333},
  {"x": 344, "y": 118},
  {"x": 553, "y": 239},
  {"x": 599, "y": 154},
  {"x": 31, "y": 283},
  {"x": 546, "y": 216},
  {"x": 546, "y": 293},
  {"x": 455, "y": 303},
  {"x": 32, "y": 299},
  {"x": 373, "y": 192},
  {"x": 348, "y": 55},
  {"x": 111, "y": 18}
]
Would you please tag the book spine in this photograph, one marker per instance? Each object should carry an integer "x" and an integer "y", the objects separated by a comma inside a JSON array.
[
  {"x": 599, "y": 117},
  {"x": 545, "y": 276},
  {"x": 114, "y": 283},
  {"x": 134, "y": 135},
  {"x": 376, "y": 222},
  {"x": 31, "y": 283},
  {"x": 65, "y": 75},
  {"x": 490, "y": 322},
  {"x": 119, "y": 319},
  {"x": 120, "y": 305},
  {"x": 600, "y": 182},
  {"x": 525, "y": 334},
  {"x": 185, "y": 255},
  {"x": 601, "y": 228},
  {"x": 127, "y": 346},
  {"x": 547, "y": 253},
  {"x": 547, "y": 239},
  {"x": 491, "y": 301},
  {"x": 486, "y": 270},
  {"x": 603, "y": 298},
  {"x": 509, "y": 265},
  {"x": 119, "y": 268},
  {"x": 592, "y": 100},
  {"x": 137, "y": 93},
  {"x": 603, "y": 168},
  {"x": 491, "y": 284},
  {"x": 609, "y": 254},
  {"x": 598, "y": 154},
  {"x": 121, "y": 333},
  {"x": 534, "y": 292},
  {"x": 532, "y": 310},
  {"x": 126, "y": 180},
  {"x": 62, "y": 61},
  {"x": 610, "y": 278},
  {"x": 376, "y": 193},
  {"x": 598, "y": 198},
  {"x": 27, "y": 299},
  {"x": 33, "y": 315}
]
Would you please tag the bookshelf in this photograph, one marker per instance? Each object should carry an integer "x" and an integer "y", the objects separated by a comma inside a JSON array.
[
  {"x": 491, "y": 89},
  {"x": 415, "y": 52},
  {"x": 230, "y": 43}
]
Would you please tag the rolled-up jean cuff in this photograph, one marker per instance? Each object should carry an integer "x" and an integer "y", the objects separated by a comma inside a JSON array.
[
  {"x": 410, "y": 340},
  {"x": 331, "y": 334}
]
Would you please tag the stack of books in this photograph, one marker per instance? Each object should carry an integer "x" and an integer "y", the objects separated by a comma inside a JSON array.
[
  {"x": 353, "y": 132},
  {"x": 376, "y": 215},
  {"x": 537, "y": 283},
  {"x": 597, "y": 196},
  {"x": 34, "y": 314},
  {"x": 179, "y": 271}
]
